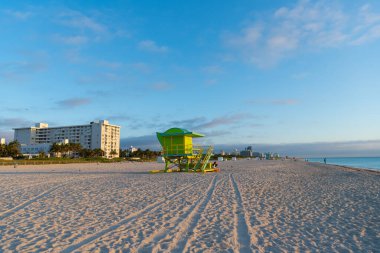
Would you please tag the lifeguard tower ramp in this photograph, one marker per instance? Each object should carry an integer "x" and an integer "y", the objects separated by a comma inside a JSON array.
[{"x": 181, "y": 155}]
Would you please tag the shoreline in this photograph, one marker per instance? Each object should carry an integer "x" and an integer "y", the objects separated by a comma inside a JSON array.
[{"x": 344, "y": 167}]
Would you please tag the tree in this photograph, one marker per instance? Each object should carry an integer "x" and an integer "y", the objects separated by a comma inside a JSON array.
[
  {"x": 13, "y": 149},
  {"x": 123, "y": 153},
  {"x": 97, "y": 152},
  {"x": 67, "y": 149},
  {"x": 41, "y": 154},
  {"x": 3, "y": 150}
]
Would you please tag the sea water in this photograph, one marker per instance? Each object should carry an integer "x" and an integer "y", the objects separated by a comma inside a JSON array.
[{"x": 372, "y": 163}]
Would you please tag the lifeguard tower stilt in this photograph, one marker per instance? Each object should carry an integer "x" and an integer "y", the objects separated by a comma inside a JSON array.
[{"x": 181, "y": 155}]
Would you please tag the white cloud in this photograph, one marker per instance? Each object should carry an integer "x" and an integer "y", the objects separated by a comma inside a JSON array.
[
  {"x": 80, "y": 21},
  {"x": 304, "y": 26},
  {"x": 109, "y": 64},
  {"x": 162, "y": 86},
  {"x": 289, "y": 101},
  {"x": 74, "y": 56},
  {"x": 21, "y": 15},
  {"x": 300, "y": 75},
  {"x": 151, "y": 46},
  {"x": 141, "y": 66},
  {"x": 71, "y": 40},
  {"x": 212, "y": 69}
]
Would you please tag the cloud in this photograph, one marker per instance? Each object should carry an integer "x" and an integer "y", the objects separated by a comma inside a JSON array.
[
  {"x": 108, "y": 78},
  {"x": 74, "y": 40},
  {"x": 151, "y": 46},
  {"x": 214, "y": 127},
  {"x": 212, "y": 69},
  {"x": 31, "y": 62},
  {"x": 14, "y": 122},
  {"x": 285, "y": 102},
  {"x": 188, "y": 123},
  {"x": 119, "y": 118},
  {"x": 20, "y": 69},
  {"x": 80, "y": 21},
  {"x": 109, "y": 64},
  {"x": 143, "y": 67},
  {"x": 143, "y": 142},
  {"x": 275, "y": 102},
  {"x": 199, "y": 123},
  {"x": 20, "y": 15},
  {"x": 216, "y": 133},
  {"x": 224, "y": 120},
  {"x": 73, "y": 102},
  {"x": 73, "y": 56},
  {"x": 300, "y": 75},
  {"x": 368, "y": 26},
  {"x": 100, "y": 93},
  {"x": 211, "y": 82},
  {"x": 17, "y": 109},
  {"x": 316, "y": 149},
  {"x": 160, "y": 86},
  {"x": 308, "y": 25},
  {"x": 8, "y": 135}
]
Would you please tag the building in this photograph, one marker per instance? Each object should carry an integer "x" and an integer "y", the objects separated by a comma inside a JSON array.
[
  {"x": 258, "y": 154},
  {"x": 2, "y": 141},
  {"x": 268, "y": 156},
  {"x": 248, "y": 152},
  {"x": 96, "y": 135},
  {"x": 132, "y": 149},
  {"x": 35, "y": 149}
]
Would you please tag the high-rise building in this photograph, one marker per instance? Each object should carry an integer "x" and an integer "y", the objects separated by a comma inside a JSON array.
[{"x": 96, "y": 135}]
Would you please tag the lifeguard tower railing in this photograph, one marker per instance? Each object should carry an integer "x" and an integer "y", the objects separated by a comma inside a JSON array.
[{"x": 182, "y": 150}]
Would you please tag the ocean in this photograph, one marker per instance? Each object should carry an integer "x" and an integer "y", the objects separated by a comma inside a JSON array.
[{"x": 372, "y": 163}]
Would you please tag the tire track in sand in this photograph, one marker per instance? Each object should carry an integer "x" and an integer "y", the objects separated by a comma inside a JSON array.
[
  {"x": 28, "y": 186},
  {"x": 46, "y": 193},
  {"x": 242, "y": 228},
  {"x": 132, "y": 216},
  {"x": 191, "y": 220},
  {"x": 28, "y": 202},
  {"x": 180, "y": 240}
]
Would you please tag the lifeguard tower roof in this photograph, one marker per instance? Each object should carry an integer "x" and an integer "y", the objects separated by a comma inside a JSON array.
[{"x": 180, "y": 132}]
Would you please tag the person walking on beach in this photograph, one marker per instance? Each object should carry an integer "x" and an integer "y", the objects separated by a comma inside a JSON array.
[{"x": 324, "y": 159}]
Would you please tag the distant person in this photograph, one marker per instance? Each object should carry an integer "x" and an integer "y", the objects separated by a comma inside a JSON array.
[{"x": 324, "y": 160}]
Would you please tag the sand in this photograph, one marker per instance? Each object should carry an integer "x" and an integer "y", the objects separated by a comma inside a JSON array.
[{"x": 250, "y": 206}]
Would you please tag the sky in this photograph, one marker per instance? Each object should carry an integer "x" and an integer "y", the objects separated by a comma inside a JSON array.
[{"x": 297, "y": 77}]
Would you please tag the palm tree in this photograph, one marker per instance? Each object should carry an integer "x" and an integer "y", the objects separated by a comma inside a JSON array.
[{"x": 113, "y": 152}]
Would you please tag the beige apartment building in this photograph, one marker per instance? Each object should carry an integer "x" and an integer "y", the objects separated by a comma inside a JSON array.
[{"x": 97, "y": 134}]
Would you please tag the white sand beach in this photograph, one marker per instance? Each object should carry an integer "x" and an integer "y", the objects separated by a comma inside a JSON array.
[{"x": 250, "y": 206}]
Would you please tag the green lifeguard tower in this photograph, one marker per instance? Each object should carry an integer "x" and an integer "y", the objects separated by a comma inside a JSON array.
[{"x": 181, "y": 155}]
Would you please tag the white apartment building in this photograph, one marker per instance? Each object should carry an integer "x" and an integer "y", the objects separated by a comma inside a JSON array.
[
  {"x": 96, "y": 135},
  {"x": 2, "y": 141}
]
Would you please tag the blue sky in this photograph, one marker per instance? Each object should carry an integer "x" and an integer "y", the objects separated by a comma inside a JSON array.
[{"x": 242, "y": 72}]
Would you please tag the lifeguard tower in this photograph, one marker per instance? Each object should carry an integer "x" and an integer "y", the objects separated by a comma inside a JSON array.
[{"x": 181, "y": 155}]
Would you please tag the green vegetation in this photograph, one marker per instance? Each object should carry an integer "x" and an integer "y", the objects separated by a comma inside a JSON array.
[
  {"x": 72, "y": 153},
  {"x": 146, "y": 154},
  {"x": 11, "y": 149}
]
